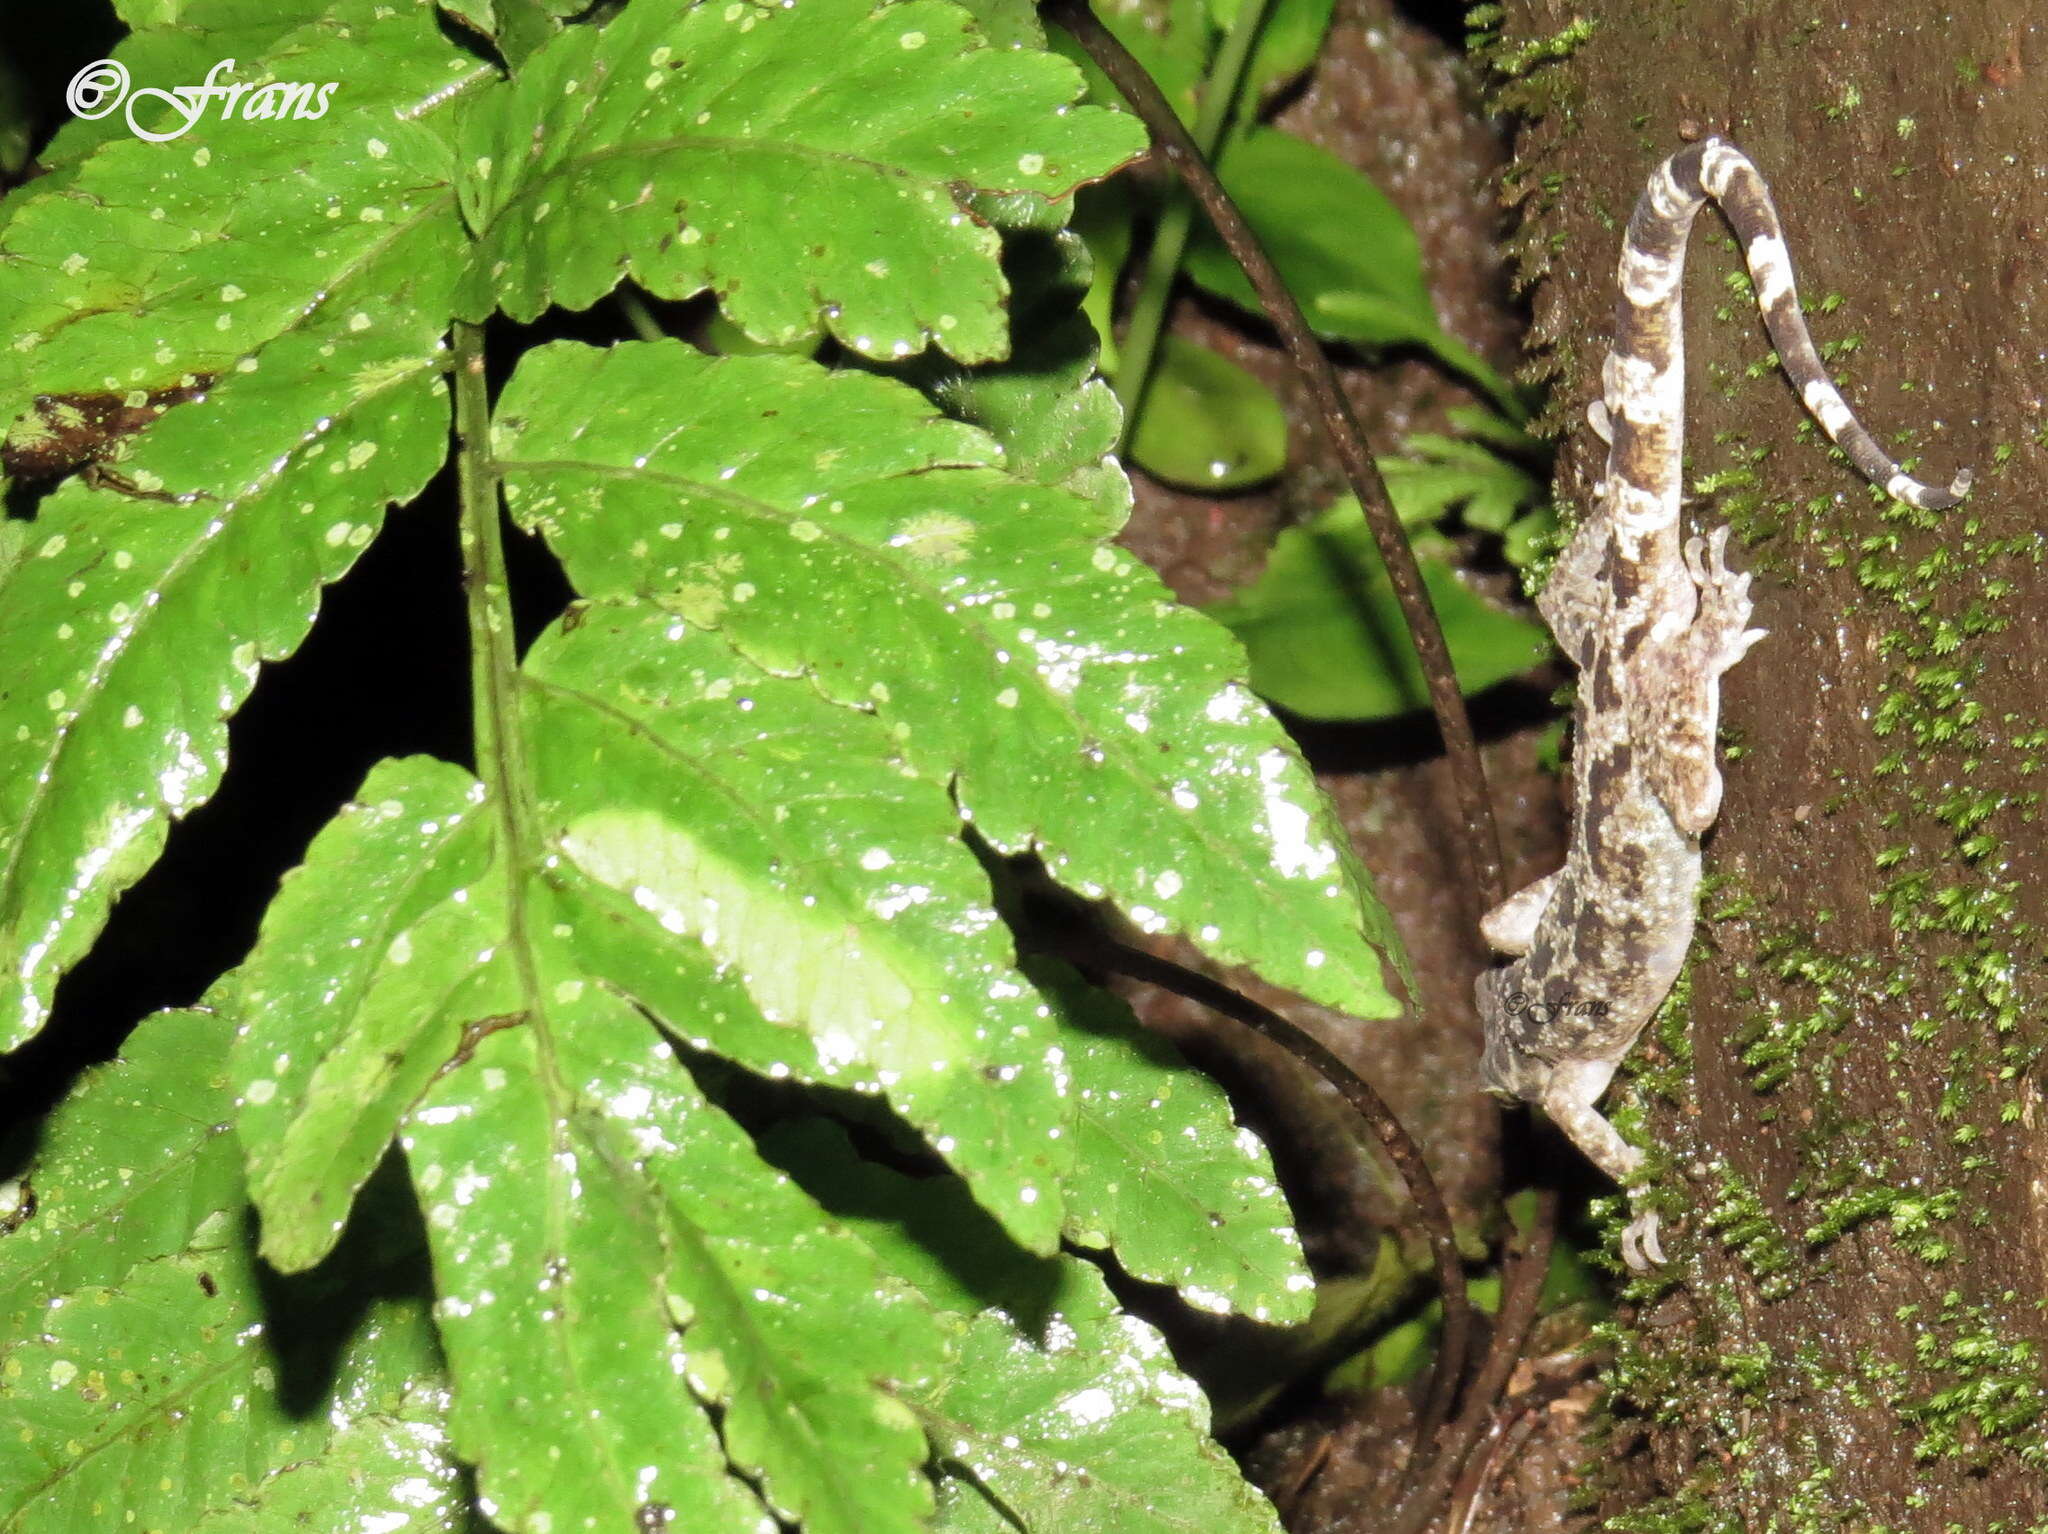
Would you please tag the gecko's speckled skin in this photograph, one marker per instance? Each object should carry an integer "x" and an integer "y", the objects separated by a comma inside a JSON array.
[{"x": 1652, "y": 621}]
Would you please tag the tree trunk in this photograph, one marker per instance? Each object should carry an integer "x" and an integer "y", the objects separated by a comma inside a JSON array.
[{"x": 1850, "y": 1334}]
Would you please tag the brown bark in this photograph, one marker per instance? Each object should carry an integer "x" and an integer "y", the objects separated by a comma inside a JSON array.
[{"x": 1851, "y": 1333}]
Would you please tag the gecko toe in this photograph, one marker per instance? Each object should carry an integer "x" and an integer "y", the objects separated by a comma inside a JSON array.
[
  {"x": 1640, "y": 1248},
  {"x": 1695, "y": 560}
]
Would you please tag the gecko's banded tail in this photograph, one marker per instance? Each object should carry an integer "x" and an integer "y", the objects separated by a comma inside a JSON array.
[{"x": 1715, "y": 168}]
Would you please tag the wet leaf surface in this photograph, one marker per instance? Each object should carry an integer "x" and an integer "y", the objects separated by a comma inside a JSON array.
[
  {"x": 834, "y": 526},
  {"x": 151, "y": 1372},
  {"x": 1206, "y": 423},
  {"x": 714, "y": 147}
]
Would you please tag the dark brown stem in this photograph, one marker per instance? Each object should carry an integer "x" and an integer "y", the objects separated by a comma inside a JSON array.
[
  {"x": 1288, "y": 1499},
  {"x": 1511, "y": 1334},
  {"x": 1097, "y": 950},
  {"x": 1505, "y": 1435},
  {"x": 1443, "y": 1388},
  {"x": 1482, "y": 839}
]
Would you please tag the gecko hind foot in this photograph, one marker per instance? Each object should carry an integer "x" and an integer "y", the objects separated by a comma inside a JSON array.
[{"x": 1640, "y": 1248}]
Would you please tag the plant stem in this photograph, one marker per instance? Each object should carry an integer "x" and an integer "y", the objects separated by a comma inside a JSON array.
[
  {"x": 639, "y": 316},
  {"x": 1522, "y": 1290},
  {"x": 494, "y": 661},
  {"x": 1481, "y": 840},
  {"x": 1170, "y": 238}
]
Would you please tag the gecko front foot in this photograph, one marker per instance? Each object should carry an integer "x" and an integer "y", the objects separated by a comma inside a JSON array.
[
  {"x": 1569, "y": 1097},
  {"x": 1640, "y": 1248},
  {"x": 1722, "y": 626}
]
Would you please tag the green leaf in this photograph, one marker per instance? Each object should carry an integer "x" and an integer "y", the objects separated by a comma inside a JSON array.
[
  {"x": 1207, "y": 424},
  {"x": 1057, "y": 420},
  {"x": 1327, "y": 639},
  {"x": 150, "y": 1373},
  {"x": 833, "y": 525},
  {"x": 1099, "y": 1391},
  {"x": 1528, "y": 539},
  {"x": 1485, "y": 475},
  {"x": 1007, "y": 23},
  {"x": 554, "y": 1310},
  {"x": 1506, "y": 434},
  {"x": 1252, "y": 1368},
  {"x": 624, "y": 948},
  {"x": 723, "y": 338},
  {"x": 1103, "y": 216},
  {"x": 519, "y": 27},
  {"x": 1060, "y": 1408},
  {"x": 136, "y": 629},
  {"x": 798, "y": 215},
  {"x": 14, "y": 541},
  {"x": 154, "y": 263},
  {"x": 745, "y": 811},
  {"x": 175, "y": 43},
  {"x": 199, "y": 14},
  {"x": 1171, "y": 43},
  {"x": 964, "y": 1508},
  {"x": 133, "y": 624},
  {"x": 761, "y": 1277},
  {"x": 1162, "y": 1174},
  {"x": 1336, "y": 238},
  {"x": 1436, "y": 474},
  {"x": 548, "y": 1103},
  {"x": 1344, "y": 250},
  {"x": 377, "y": 1468},
  {"x": 438, "y": 1004},
  {"x": 158, "y": 1401},
  {"x": 126, "y": 1169},
  {"x": 372, "y": 961},
  {"x": 929, "y": 1231},
  {"x": 611, "y": 1256}
]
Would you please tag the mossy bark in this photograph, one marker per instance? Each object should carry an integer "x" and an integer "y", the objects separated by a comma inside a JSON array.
[{"x": 1851, "y": 1334}]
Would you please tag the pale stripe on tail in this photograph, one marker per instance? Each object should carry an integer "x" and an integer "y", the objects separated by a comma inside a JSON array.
[{"x": 1718, "y": 169}]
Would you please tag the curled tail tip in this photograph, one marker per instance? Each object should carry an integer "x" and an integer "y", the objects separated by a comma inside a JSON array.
[
  {"x": 1940, "y": 500},
  {"x": 1904, "y": 487}
]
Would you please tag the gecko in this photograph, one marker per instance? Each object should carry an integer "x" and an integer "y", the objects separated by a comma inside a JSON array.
[{"x": 1651, "y": 620}]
